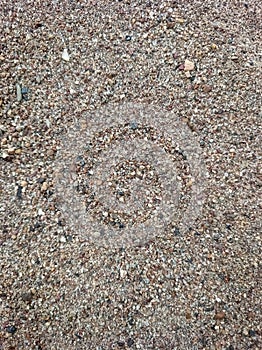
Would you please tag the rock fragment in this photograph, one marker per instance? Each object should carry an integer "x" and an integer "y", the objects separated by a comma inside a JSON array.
[
  {"x": 18, "y": 93},
  {"x": 65, "y": 55},
  {"x": 189, "y": 65}
]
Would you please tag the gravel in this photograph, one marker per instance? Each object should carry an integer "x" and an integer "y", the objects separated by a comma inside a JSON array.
[{"x": 197, "y": 288}]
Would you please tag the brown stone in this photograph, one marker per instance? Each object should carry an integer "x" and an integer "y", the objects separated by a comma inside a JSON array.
[
  {"x": 207, "y": 88},
  {"x": 220, "y": 315}
]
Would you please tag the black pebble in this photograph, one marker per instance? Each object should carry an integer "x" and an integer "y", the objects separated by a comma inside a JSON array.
[
  {"x": 128, "y": 37},
  {"x": 121, "y": 225},
  {"x": 19, "y": 192},
  {"x": 11, "y": 329}
]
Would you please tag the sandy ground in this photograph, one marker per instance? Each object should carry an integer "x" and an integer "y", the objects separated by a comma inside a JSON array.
[{"x": 199, "y": 62}]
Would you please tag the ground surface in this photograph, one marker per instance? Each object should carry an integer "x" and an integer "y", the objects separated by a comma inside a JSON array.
[{"x": 196, "y": 290}]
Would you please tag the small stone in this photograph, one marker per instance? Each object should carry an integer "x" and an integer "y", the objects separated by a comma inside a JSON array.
[
  {"x": 4, "y": 141},
  {"x": 23, "y": 183},
  {"x": 180, "y": 20},
  {"x": 65, "y": 55},
  {"x": 213, "y": 46},
  {"x": 19, "y": 192},
  {"x": 121, "y": 343},
  {"x": 18, "y": 93},
  {"x": 11, "y": 329},
  {"x": 40, "y": 212},
  {"x": 170, "y": 25},
  {"x": 128, "y": 37},
  {"x": 207, "y": 88},
  {"x": 133, "y": 125},
  {"x": 220, "y": 316},
  {"x": 44, "y": 187},
  {"x": 40, "y": 180},
  {"x": 11, "y": 150},
  {"x": 123, "y": 273},
  {"x": 188, "y": 315},
  {"x": 18, "y": 151},
  {"x": 251, "y": 333},
  {"x": 189, "y": 65},
  {"x": 63, "y": 239},
  {"x": 245, "y": 332},
  {"x": 187, "y": 74},
  {"x": 24, "y": 90},
  {"x": 27, "y": 297},
  {"x": 130, "y": 342}
]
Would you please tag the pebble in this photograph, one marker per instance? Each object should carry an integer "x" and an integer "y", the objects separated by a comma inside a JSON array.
[
  {"x": 11, "y": 329},
  {"x": 123, "y": 273},
  {"x": 245, "y": 332},
  {"x": 189, "y": 65},
  {"x": 251, "y": 333},
  {"x": 207, "y": 88},
  {"x": 23, "y": 183},
  {"x": 18, "y": 93},
  {"x": 11, "y": 150},
  {"x": 180, "y": 20},
  {"x": 220, "y": 315},
  {"x": 65, "y": 55},
  {"x": 44, "y": 186},
  {"x": 40, "y": 212},
  {"x": 27, "y": 297},
  {"x": 130, "y": 342},
  {"x": 63, "y": 239}
]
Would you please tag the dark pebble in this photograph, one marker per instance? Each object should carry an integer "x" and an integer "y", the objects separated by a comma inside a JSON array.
[
  {"x": 130, "y": 342},
  {"x": 121, "y": 225},
  {"x": 133, "y": 125},
  {"x": 251, "y": 333},
  {"x": 176, "y": 232},
  {"x": 24, "y": 90},
  {"x": 11, "y": 329},
  {"x": 230, "y": 347},
  {"x": 128, "y": 37},
  {"x": 121, "y": 343},
  {"x": 203, "y": 341},
  {"x": 19, "y": 192},
  {"x": 41, "y": 180},
  {"x": 27, "y": 297}
]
